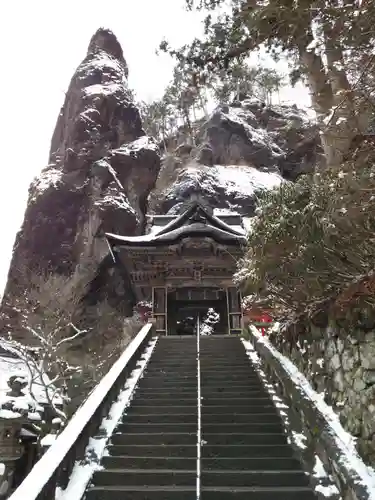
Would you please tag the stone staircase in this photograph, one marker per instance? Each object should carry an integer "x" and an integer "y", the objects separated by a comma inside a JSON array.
[{"x": 244, "y": 452}]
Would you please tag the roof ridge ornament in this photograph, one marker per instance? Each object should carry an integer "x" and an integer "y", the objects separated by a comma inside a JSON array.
[{"x": 196, "y": 198}]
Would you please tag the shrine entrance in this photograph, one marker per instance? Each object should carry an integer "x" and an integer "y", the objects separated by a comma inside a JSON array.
[
  {"x": 187, "y": 305},
  {"x": 184, "y": 266}
]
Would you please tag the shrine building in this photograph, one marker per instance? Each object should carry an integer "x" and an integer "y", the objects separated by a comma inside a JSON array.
[{"x": 184, "y": 266}]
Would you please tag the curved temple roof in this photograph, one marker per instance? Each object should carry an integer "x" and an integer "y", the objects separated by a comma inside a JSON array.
[{"x": 195, "y": 221}]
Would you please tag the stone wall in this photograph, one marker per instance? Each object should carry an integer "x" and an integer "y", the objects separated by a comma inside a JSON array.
[
  {"x": 306, "y": 415},
  {"x": 339, "y": 360}
]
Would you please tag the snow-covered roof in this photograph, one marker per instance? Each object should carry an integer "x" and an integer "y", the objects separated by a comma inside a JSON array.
[{"x": 195, "y": 221}]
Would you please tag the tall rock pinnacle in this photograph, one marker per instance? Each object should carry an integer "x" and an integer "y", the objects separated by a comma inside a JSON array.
[{"x": 101, "y": 169}]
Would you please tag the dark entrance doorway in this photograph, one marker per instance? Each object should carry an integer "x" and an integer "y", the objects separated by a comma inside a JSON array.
[{"x": 184, "y": 310}]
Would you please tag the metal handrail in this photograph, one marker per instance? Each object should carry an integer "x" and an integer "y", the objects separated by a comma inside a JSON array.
[
  {"x": 199, "y": 413},
  {"x": 56, "y": 465}
]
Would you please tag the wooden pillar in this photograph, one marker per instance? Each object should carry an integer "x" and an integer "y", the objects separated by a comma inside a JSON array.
[
  {"x": 159, "y": 309},
  {"x": 234, "y": 311}
]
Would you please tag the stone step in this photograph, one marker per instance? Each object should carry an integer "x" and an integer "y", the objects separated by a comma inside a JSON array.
[
  {"x": 230, "y": 417},
  {"x": 158, "y": 427},
  {"x": 156, "y": 438},
  {"x": 215, "y": 384},
  {"x": 172, "y": 409},
  {"x": 261, "y": 427},
  {"x": 245, "y": 438},
  {"x": 162, "y": 378},
  {"x": 168, "y": 477},
  {"x": 130, "y": 462},
  {"x": 246, "y": 450},
  {"x": 223, "y": 394},
  {"x": 142, "y": 477},
  {"x": 248, "y": 427},
  {"x": 259, "y": 478},
  {"x": 160, "y": 375},
  {"x": 227, "y": 373},
  {"x": 207, "y": 464},
  {"x": 238, "y": 409},
  {"x": 143, "y": 418},
  {"x": 181, "y": 392},
  {"x": 247, "y": 464},
  {"x": 144, "y": 450},
  {"x": 229, "y": 379},
  {"x": 150, "y": 493},
  {"x": 206, "y": 393},
  {"x": 255, "y": 493},
  {"x": 177, "y": 370},
  {"x": 186, "y": 493},
  {"x": 165, "y": 401},
  {"x": 168, "y": 383},
  {"x": 161, "y": 359},
  {"x": 228, "y": 401}
]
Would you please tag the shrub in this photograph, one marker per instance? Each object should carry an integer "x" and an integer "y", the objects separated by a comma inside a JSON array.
[{"x": 313, "y": 239}]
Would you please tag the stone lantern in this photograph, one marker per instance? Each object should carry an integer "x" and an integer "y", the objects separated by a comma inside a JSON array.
[
  {"x": 12, "y": 419},
  {"x": 11, "y": 448}
]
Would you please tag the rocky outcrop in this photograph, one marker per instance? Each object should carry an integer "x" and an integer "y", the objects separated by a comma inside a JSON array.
[
  {"x": 238, "y": 151},
  {"x": 101, "y": 169}
]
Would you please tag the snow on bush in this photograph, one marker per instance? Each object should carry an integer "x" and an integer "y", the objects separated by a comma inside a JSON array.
[{"x": 208, "y": 325}]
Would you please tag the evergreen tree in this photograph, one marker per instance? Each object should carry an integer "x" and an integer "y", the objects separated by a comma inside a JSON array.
[{"x": 320, "y": 39}]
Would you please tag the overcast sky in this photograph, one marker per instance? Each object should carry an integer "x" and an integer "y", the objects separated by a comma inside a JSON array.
[{"x": 42, "y": 43}]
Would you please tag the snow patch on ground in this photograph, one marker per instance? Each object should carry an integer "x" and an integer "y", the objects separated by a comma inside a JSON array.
[
  {"x": 344, "y": 440},
  {"x": 327, "y": 488},
  {"x": 83, "y": 471}
]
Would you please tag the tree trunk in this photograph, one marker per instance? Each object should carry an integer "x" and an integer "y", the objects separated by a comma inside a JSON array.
[
  {"x": 343, "y": 124},
  {"x": 350, "y": 117}
]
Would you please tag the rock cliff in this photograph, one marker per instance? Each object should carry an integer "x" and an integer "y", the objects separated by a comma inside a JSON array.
[
  {"x": 101, "y": 169},
  {"x": 239, "y": 150}
]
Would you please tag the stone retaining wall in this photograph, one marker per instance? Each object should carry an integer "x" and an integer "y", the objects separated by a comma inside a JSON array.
[
  {"x": 307, "y": 415},
  {"x": 341, "y": 363}
]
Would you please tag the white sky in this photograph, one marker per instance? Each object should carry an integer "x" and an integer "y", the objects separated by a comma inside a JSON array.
[{"x": 42, "y": 43}]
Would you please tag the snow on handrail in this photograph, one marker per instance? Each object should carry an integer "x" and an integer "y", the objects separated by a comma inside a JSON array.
[{"x": 42, "y": 472}]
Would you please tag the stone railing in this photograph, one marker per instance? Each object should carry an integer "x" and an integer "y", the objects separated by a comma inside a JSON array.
[
  {"x": 309, "y": 415},
  {"x": 55, "y": 467}
]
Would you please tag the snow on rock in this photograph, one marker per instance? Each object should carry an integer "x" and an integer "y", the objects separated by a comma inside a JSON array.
[
  {"x": 49, "y": 177},
  {"x": 239, "y": 150},
  {"x": 245, "y": 180},
  {"x": 100, "y": 89},
  {"x": 83, "y": 471},
  {"x": 136, "y": 147},
  {"x": 343, "y": 440},
  {"x": 226, "y": 187}
]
